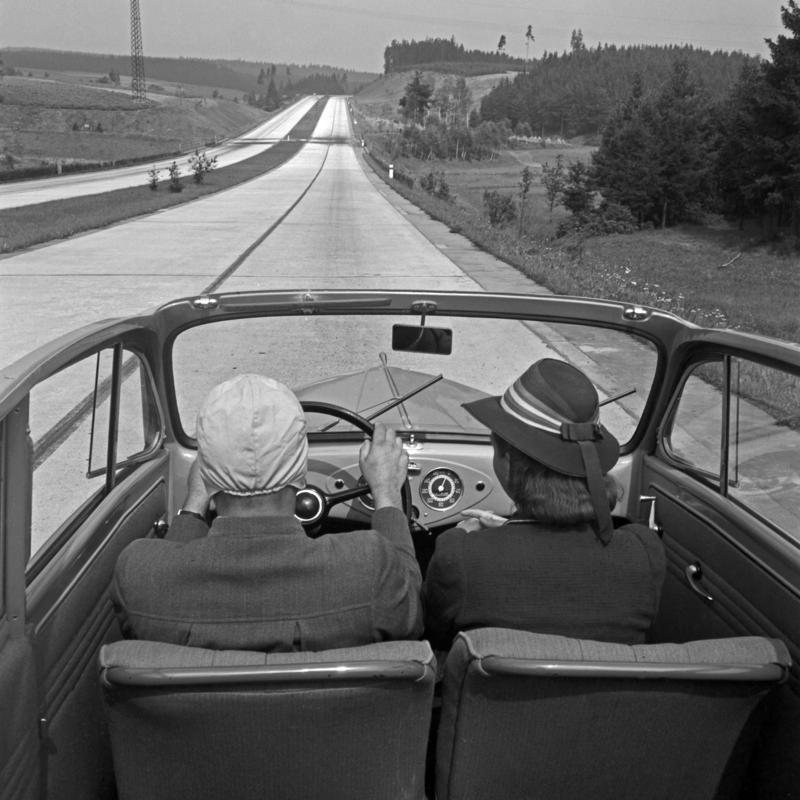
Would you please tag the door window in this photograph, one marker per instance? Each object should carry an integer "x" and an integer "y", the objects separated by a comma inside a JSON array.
[
  {"x": 737, "y": 425},
  {"x": 79, "y": 425}
]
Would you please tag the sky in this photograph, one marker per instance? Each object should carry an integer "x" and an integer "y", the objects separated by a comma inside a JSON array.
[{"x": 352, "y": 34}]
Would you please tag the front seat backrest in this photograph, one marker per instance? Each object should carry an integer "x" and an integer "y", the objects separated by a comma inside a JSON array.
[
  {"x": 195, "y": 723},
  {"x": 526, "y": 715}
]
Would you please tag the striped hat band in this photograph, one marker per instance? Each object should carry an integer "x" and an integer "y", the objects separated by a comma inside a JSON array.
[{"x": 526, "y": 407}]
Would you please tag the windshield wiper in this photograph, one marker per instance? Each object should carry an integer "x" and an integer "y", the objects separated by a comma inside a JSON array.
[
  {"x": 395, "y": 393},
  {"x": 615, "y": 397},
  {"x": 392, "y": 403}
]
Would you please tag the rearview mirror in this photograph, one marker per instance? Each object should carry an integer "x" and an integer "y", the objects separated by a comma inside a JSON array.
[{"x": 420, "y": 339}]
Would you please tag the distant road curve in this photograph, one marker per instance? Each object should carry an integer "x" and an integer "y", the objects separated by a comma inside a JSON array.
[{"x": 262, "y": 137}]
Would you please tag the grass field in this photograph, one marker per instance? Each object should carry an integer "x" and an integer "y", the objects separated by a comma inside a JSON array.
[
  {"x": 43, "y": 122},
  {"x": 49, "y": 93},
  {"x": 715, "y": 275},
  {"x": 469, "y": 180}
]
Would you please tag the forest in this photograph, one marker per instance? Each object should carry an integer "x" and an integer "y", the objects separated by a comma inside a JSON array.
[
  {"x": 682, "y": 133},
  {"x": 433, "y": 53},
  {"x": 574, "y": 93}
]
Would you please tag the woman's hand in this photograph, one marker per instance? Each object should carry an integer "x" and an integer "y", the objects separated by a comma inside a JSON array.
[{"x": 479, "y": 519}]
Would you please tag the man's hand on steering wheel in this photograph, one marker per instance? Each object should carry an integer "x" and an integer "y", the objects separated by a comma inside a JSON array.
[{"x": 384, "y": 464}]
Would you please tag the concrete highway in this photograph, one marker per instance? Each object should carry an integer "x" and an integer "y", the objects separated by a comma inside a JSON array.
[
  {"x": 321, "y": 220},
  {"x": 337, "y": 224},
  {"x": 262, "y": 137}
]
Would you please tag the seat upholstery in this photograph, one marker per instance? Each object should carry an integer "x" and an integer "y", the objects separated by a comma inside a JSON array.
[
  {"x": 531, "y": 716},
  {"x": 195, "y": 723}
]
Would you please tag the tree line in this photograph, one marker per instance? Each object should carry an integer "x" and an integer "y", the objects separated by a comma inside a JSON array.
[
  {"x": 406, "y": 55},
  {"x": 439, "y": 124},
  {"x": 574, "y": 93},
  {"x": 674, "y": 154},
  {"x": 268, "y": 93}
]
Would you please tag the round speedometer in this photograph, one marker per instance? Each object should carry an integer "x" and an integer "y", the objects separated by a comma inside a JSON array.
[{"x": 441, "y": 489}]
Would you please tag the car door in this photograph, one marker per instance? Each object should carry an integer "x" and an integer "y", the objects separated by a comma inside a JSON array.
[
  {"x": 724, "y": 478},
  {"x": 84, "y": 461},
  {"x": 19, "y": 773}
]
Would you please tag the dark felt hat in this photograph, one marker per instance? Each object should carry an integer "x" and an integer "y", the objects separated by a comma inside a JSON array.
[{"x": 551, "y": 413}]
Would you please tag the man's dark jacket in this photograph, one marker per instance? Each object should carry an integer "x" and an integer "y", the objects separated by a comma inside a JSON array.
[{"x": 263, "y": 584}]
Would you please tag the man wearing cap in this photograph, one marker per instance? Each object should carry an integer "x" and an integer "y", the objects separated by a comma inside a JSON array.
[
  {"x": 556, "y": 565},
  {"x": 254, "y": 580}
]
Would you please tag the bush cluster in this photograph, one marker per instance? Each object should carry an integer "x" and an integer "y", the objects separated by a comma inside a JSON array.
[
  {"x": 457, "y": 140},
  {"x": 500, "y": 208},
  {"x": 609, "y": 218},
  {"x": 435, "y": 183},
  {"x": 201, "y": 165}
]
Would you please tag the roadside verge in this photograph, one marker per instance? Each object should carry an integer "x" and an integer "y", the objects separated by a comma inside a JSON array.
[{"x": 58, "y": 219}]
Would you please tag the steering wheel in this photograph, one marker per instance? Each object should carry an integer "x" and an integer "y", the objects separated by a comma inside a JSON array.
[{"x": 312, "y": 504}]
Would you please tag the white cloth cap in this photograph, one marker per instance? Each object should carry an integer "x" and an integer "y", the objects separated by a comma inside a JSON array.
[{"x": 251, "y": 437}]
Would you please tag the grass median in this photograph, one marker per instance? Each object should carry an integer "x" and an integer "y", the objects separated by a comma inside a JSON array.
[{"x": 30, "y": 225}]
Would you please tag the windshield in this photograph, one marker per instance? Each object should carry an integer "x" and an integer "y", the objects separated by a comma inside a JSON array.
[{"x": 349, "y": 361}]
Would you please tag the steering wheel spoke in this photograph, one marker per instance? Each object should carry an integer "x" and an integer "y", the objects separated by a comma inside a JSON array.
[{"x": 347, "y": 494}]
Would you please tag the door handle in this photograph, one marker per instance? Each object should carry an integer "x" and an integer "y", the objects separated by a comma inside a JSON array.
[{"x": 694, "y": 574}]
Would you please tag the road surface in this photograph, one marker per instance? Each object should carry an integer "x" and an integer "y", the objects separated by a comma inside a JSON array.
[{"x": 321, "y": 220}]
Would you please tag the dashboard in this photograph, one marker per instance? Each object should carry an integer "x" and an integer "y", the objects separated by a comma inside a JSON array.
[{"x": 445, "y": 478}]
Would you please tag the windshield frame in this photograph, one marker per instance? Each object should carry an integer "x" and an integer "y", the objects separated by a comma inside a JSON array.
[{"x": 662, "y": 330}]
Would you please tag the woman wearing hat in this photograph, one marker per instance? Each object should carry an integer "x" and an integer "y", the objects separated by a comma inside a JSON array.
[{"x": 556, "y": 565}]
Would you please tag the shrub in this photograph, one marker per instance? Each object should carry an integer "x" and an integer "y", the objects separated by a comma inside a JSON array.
[
  {"x": 500, "y": 208},
  {"x": 576, "y": 191},
  {"x": 175, "y": 184},
  {"x": 435, "y": 183},
  {"x": 553, "y": 180},
  {"x": 609, "y": 218},
  {"x": 152, "y": 177},
  {"x": 201, "y": 164},
  {"x": 404, "y": 178}
]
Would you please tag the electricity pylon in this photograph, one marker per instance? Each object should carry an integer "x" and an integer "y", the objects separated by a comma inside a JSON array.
[{"x": 138, "y": 86}]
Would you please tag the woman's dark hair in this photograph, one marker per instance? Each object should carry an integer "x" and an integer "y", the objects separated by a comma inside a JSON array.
[{"x": 544, "y": 495}]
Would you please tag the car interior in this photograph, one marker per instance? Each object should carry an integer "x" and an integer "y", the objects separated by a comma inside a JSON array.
[{"x": 96, "y": 440}]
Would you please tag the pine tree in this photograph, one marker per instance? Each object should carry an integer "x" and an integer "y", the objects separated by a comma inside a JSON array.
[
  {"x": 782, "y": 123},
  {"x": 624, "y": 164},
  {"x": 656, "y": 156},
  {"x": 273, "y": 99},
  {"x": 417, "y": 99},
  {"x": 759, "y": 160},
  {"x": 683, "y": 147}
]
